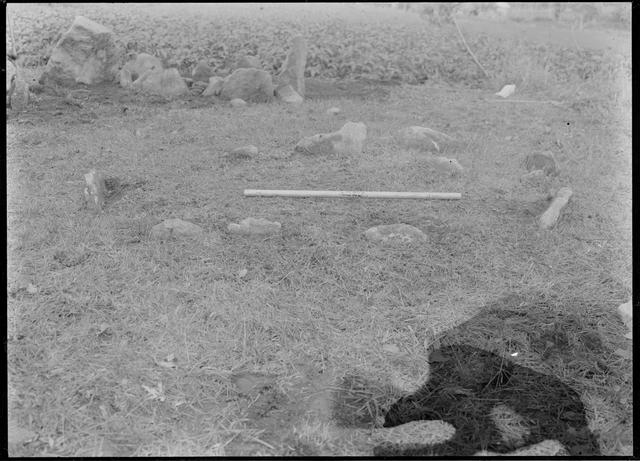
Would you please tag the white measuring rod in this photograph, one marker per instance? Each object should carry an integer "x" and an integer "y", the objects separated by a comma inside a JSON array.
[{"x": 352, "y": 193}]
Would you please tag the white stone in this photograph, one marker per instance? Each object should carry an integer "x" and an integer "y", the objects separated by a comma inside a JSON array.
[
  {"x": 255, "y": 226},
  {"x": 400, "y": 233}
]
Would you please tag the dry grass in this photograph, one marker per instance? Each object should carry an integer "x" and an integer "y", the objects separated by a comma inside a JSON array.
[{"x": 86, "y": 348}]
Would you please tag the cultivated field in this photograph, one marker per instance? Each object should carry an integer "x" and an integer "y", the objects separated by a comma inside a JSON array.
[{"x": 122, "y": 345}]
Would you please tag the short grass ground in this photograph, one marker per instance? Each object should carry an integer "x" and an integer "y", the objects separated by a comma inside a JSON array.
[{"x": 97, "y": 309}]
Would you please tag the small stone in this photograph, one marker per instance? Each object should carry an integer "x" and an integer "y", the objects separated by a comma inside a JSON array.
[
  {"x": 348, "y": 140},
  {"x": 626, "y": 313},
  {"x": 287, "y": 94},
  {"x": 31, "y": 289},
  {"x": 446, "y": 164},
  {"x": 175, "y": 227},
  {"x": 334, "y": 110},
  {"x": 506, "y": 91},
  {"x": 391, "y": 348},
  {"x": 400, "y": 233},
  {"x": 423, "y": 138},
  {"x": 254, "y": 226},
  {"x": 237, "y": 102},
  {"x": 242, "y": 273},
  {"x": 550, "y": 217},
  {"x": 244, "y": 152},
  {"x": 95, "y": 190},
  {"x": 545, "y": 161},
  {"x": 215, "y": 86}
]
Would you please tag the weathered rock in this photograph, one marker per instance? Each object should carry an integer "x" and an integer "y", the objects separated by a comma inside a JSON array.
[
  {"x": 251, "y": 85},
  {"x": 348, "y": 140},
  {"x": 544, "y": 161},
  {"x": 248, "y": 62},
  {"x": 334, "y": 110},
  {"x": 286, "y": 93},
  {"x": 292, "y": 71},
  {"x": 87, "y": 53},
  {"x": 506, "y": 91},
  {"x": 163, "y": 82},
  {"x": 420, "y": 137},
  {"x": 237, "y": 102},
  {"x": 214, "y": 87},
  {"x": 139, "y": 64},
  {"x": 244, "y": 152},
  {"x": 626, "y": 313},
  {"x": 551, "y": 215},
  {"x": 401, "y": 233},
  {"x": 95, "y": 190},
  {"x": 175, "y": 227},
  {"x": 450, "y": 165},
  {"x": 202, "y": 72},
  {"x": 254, "y": 226}
]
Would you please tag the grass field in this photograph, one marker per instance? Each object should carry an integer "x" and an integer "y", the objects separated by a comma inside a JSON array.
[{"x": 119, "y": 344}]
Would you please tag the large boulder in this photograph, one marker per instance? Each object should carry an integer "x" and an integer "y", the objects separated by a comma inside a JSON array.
[
  {"x": 348, "y": 140},
  {"x": 251, "y": 85},
  {"x": 292, "y": 71},
  {"x": 87, "y": 53}
]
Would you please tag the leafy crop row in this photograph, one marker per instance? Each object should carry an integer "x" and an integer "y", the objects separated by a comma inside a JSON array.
[{"x": 337, "y": 48}]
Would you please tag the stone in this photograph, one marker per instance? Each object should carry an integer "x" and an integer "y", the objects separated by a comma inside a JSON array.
[
  {"x": 334, "y": 110},
  {"x": 138, "y": 64},
  {"x": 544, "y": 161},
  {"x": 397, "y": 233},
  {"x": 162, "y": 82},
  {"x": 506, "y": 91},
  {"x": 244, "y": 152},
  {"x": 251, "y": 85},
  {"x": 87, "y": 53},
  {"x": 348, "y": 140},
  {"x": 20, "y": 96},
  {"x": 446, "y": 164},
  {"x": 95, "y": 190},
  {"x": 248, "y": 62},
  {"x": 254, "y": 226},
  {"x": 175, "y": 227},
  {"x": 214, "y": 87},
  {"x": 551, "y": 215},
  {"x": 415, "y": 432},
  {"x": 423, "y": 138},
  {"x": 292, "y": 70},
  {"x": 237, "y": 102},
  {"x": 202, "y": 72},
  {"x": 286, "y": 93}
]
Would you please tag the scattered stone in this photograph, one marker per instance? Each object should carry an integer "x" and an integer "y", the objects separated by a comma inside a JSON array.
[
  {"x": 506, "y": 91},
  {"x": 446, "y": 164},
  {"x": 198, "y": 87},
  {"x": 139, "y": 64},
  {"x": 544, "y": 161},
  {"x": 286, "y": 93},
  {"x": 248, "y": 62},
  {"x": 420, "y": 137},
  {"x": 251, "y": 85},
  {"x": 550, "y": 217},
  {"x": 202, "y": 72},
  {"x": 348, "y": 140},
  {"x": 237, "y": 102},
  {"x": 175, "y": 227},
  {"x": 87, "y": 53},
  {"x": 163, "y": 82},
  {"x": 334, "y": 110},
  {"x": 95, "y": 190},
  {"x": 244, "y": 152},
  {"x": 292, "y": 71},
  {"x": 254, "y": 226},
  {"x": 401, "y": 233},
  {"x": 214, "y": 87}
]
